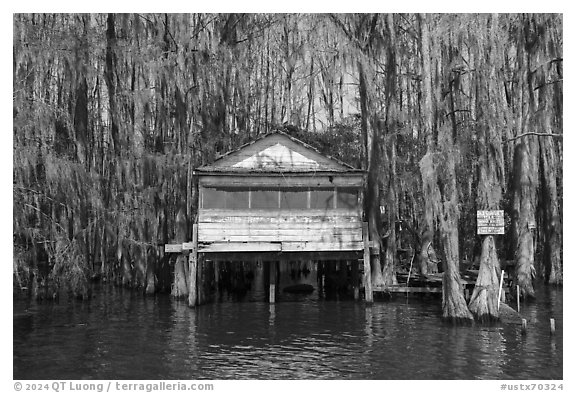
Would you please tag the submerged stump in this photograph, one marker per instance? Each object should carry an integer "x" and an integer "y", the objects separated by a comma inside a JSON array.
[
  {"x": 180, "y": 286},
  {"x": 508, "y": 315}
]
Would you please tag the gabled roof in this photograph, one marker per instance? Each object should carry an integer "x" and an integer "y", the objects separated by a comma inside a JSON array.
[{"x": 276, "y": 152}]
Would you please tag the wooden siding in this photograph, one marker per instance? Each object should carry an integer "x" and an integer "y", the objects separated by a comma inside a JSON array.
[
  {"x": 278, "y": 216},
  {"x": 226, "y": 247},
  {"x": 251, "y": 222},
  {"x": 276, "y": 153},
  {"x": 278, "y": 156},
  {"x": 240, "y": 247},
  {"x": 333, "y": 180},
  {"x": 262, "y": 230}
]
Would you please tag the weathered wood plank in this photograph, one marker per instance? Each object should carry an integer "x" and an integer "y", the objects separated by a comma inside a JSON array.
[
  {"x": 318, "y": 213},
  {"x": 172, "y": 248},
  {"x": 274, "y": 147},
  {"x": 405, "y": 289},
  {"x": 284, "y": 246},
  {"x": 279, "y": 237},
  {"x": 188, "y": 246},
  {"x": 278, "y": 156},
  {"x": 283, "y": 180},
  {"x": 239, "y": 247},
  {"x": 277, "y": 228},
  {"x": 224, "y": 230},
  {"x": 322, "y": 246},
  {"x": 278, "y": 222},
  {"x": 296, "y": 226},
  {"x": 255, "y": 231},
  {"x": 278, "y": 217}
]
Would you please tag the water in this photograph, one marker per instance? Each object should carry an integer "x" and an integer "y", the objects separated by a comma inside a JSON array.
[{"x": 120, "y": 334}]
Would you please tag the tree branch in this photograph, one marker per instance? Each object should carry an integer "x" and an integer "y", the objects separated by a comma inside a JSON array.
[
  {"x": 18, "y": 188},
  {"x": 456, "y": 111},
  {"x": 548, "y": 83},
  {"x": 551, "y": 61},
  {"x": 535, "y": 134},
  {"x": 346, "y": 31},
  {"x": 45, "y": 215}
]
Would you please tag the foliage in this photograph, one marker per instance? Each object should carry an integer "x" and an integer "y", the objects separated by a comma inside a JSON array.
[{"x": 111, "y": 112}]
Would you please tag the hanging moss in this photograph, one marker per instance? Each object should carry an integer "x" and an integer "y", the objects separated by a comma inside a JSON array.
[{"x": 111, "y": 113}]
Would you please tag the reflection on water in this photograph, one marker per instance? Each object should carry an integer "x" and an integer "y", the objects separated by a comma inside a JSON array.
[{"x": 122, "y": 335}]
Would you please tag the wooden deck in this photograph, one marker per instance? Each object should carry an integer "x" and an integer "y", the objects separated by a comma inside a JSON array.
[
  {"x": 406, "y": 289},
  {"x": 432, "y": 283}
]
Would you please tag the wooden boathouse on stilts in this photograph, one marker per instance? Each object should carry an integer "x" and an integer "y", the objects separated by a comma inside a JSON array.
[{"x": 278, "y": 199}]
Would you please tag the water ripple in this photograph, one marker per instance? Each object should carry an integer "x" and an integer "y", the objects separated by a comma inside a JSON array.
[{"x": 122, "y": 336}]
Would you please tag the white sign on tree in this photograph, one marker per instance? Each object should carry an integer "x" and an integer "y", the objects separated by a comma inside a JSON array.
[{"x": 490, "y": 222}]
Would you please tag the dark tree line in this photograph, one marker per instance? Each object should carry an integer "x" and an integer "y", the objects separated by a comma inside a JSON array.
[{"x": 448, "y": 114}]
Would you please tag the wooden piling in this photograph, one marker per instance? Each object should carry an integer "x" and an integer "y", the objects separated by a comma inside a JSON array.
[
  {"x": 216, "y": 272},
  {"x": 368, "y": 295},
  {"x": 193, "y": 268},
  {"x": 273, "y": 268},
  {"x": 200, "y": 281},
  {"x": 320, "y": 278},
  {"x": 518, "y": 298},
  {"x": 523, "y": 326},
  {"x": 552, "y": 326},
  {"x": 355, "y": 280}
]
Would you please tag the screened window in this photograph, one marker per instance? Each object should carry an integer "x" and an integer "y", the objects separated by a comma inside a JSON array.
[
  {"x": 237, "y": 199},
  {"x": 230, "y": 198},
  {"x": 294, "y": 199},
  {"x": 285, "y": 198},
  {"x": 322, "y": 199},
  {"x": 346, "y": 198},
  {"x": 264, "y": 199},
  {"x": 213, "y": 198}
]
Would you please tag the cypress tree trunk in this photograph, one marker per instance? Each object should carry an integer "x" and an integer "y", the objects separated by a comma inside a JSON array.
[
  {"x": 388, "y": 269},
  {"x": 372, "y": 198},
  {"x": 180, "y": 286},
  {"x": 109, "y": 76},
  {"x": 453, "y": 301},
  {"x": 151, "y": 280},
  {"x": 484, "y": 299},
  {"x": 549, "y": 115},
  {"x": 552, "y": 218},
  {"x": 439, "y": 181},
  {"x": 81, "y": 120},
  {"x": 440, "y": 192},
  {"x": 427, "y": 259},
  {"x": 389, "y": 264},
  {"x": 522, "y": 217},
  {"x": 427, "y": 110},
  {"x": 126, "y": 269}
]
